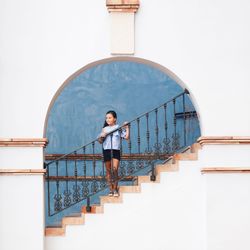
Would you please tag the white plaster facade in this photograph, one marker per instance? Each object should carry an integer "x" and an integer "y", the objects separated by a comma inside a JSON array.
[{"x": 205, "y": 43}]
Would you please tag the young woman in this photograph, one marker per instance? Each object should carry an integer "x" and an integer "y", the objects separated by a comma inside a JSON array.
[{"x": 110, "y": 125}]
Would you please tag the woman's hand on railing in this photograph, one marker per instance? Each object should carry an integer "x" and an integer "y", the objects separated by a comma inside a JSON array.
[
  {"x": 102, "y": 137},
  {"x": 103, "y": 134}
]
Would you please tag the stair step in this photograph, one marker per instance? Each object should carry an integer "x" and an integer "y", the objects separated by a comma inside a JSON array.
[
  {"x": 186, "y": 156},
  {"x": 195, "y": 147},
  {"x": 111, "y": 199},
  {"x": 73, "y": 220},
  {"x": 187, "y": 150},
  {"x": 130, "y": 189},
  {"x": 95, "y": 209},
  {"x": 55, "y": 231},
  {"x": 166, "y": 168},
  {"x": 144, "y": 179}
]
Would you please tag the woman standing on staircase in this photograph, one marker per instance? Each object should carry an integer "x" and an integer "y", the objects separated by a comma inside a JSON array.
[{"x": 111, "y": 149}]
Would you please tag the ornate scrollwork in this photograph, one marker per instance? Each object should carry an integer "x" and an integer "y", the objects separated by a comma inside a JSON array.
[
  {"x": 67, "y": 198},
  {"x": 103, "y": 182},
  {"x": 131, "y": 167},
  {"x": 122, "y": 169},
  {"x": 157, "y": 149},
  {"x": 58, "y": 202},
  {"x": 139, "y": 164},
  {"x": 175, "y": 142},
  {"x": 76, "y": 193},
  {"x": 85, "y": 189},
  {"x": 94, "y": 186},
  {"x": 166, "y": 146},
  {"x": 148, "y": 156}
]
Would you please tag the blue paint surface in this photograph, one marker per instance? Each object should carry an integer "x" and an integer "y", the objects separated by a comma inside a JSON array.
[{"x": 130, "y": 89}]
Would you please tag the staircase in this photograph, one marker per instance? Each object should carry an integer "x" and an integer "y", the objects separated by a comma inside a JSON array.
[
  {"x": 170, "y": 165},
  {"x": 150, "y": 171}
]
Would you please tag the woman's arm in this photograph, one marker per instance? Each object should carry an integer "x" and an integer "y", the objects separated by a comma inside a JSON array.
[{"x": 102, "y": 137}]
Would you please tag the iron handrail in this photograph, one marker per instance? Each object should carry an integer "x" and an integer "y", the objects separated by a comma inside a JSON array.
[
  {"x": 63, "y": 156},
  {"x": 157, "y": 149}
]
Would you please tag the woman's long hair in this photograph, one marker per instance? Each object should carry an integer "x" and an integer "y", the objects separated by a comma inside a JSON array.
[{"x": 112, "y": 112}]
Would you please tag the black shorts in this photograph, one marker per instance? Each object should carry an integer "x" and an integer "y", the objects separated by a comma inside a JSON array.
[{"x": 107, "y": 154}]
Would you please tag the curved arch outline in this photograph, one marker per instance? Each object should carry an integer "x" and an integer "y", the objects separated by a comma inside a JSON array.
[{"x": 126, "y": 59}]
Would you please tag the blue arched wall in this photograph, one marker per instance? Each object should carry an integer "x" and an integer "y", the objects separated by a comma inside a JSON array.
[{"x": 130, "y": 88}]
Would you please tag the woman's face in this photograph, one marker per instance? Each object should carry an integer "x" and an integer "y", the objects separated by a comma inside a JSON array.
[{"x": 110, "y": 119}]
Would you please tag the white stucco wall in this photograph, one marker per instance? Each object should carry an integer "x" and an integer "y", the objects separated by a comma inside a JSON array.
[
  {"x": 166, "y": 215},
  {"x": 204, "y": 43},
  {"x": 22, "y": 212},
  {"x": 228, "y": 218},
  {"x": 186, "y": 210}
]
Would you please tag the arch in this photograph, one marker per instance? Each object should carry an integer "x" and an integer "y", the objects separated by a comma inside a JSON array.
[{"x": 122, "y": 59}]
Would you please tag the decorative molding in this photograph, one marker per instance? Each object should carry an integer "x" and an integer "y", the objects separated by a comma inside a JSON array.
[
  {"x": 123, "y": 5},
  {"x": 224, "y": 140},
  {"x": 23, "y": 142},
  {"x": 223, "y": 170},
  {"x": 22, "y": 171}
]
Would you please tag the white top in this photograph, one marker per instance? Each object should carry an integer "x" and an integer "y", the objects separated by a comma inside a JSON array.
[{"x": 115, "y": 138}]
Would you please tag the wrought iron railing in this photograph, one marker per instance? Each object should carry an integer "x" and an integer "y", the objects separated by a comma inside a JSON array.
[{"x": 154, "y": 136}]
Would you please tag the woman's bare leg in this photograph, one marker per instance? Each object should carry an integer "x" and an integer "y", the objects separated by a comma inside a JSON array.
[
  {"x": 108, "y": 175},
  {"x": 115, "y": 168}
]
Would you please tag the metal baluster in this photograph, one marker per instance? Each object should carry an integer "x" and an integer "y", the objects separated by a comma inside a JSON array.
[
  {"x": 156, "y": 127},
  {"x": 76, "y": 193},
  {"x": 184, "y": 118},
  {"x": 165, "y": 119},
  {"x": 147, "y": 135},
  {"x": 139, "y": 161},
  {"x": 176, "y": 137},
  {"x": 94, "y": 160},
  {"x": 129, "y": 142},
  {"x": 67, "y": 193},
  {"x": 94, "y": 182},
  {"x": 85, "y": 189},
  {"x": 131, "y": 167},
  {"x": 75, "y": 171},
  {"x": 88, "y": 207},
  {"x": 166, "y": 141},
  {"x": 148, "y": 150},
  {"x": 103, "y": 181},
  {"x": 66, "y": 162},
  {"x": 138, "y": 135},
  {"x": 174, "y": 117},
  {"x": 157, "y": 145},
  {"x": 84, "y": 163},
  {"x": 57, "y": 197},
  {"x": 48, "y": 188},
  {"x": 122, "y": 168}
]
